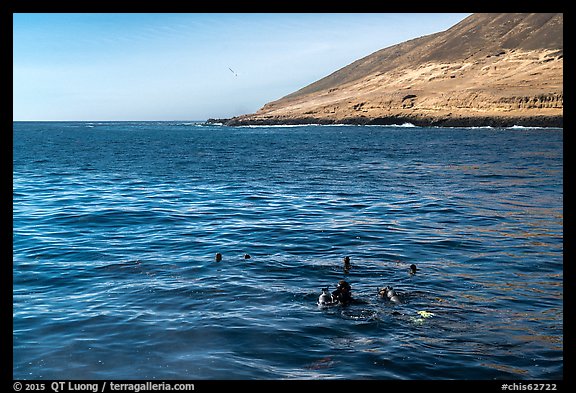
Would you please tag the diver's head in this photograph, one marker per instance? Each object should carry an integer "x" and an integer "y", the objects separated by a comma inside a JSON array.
[{"x": 343, "y": 286}]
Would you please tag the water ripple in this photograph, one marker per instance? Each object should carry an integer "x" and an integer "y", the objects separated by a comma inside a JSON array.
[{"x": 116, "y": 227}]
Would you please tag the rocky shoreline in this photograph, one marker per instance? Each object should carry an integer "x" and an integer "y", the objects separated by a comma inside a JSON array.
[{"x": 419, "y": 121}]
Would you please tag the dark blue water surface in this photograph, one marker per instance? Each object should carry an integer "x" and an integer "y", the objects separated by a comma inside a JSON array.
[{"x": 116, "y": 225}]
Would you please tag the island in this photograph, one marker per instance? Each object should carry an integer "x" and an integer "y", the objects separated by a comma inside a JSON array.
[{"x": 497, "y": 70}]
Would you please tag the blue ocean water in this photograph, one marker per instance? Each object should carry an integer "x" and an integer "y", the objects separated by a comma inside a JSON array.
[{"x": 116, "y": 224}]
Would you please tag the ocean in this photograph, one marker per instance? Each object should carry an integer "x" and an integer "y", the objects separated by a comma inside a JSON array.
[{"x": 116, "y": 226}]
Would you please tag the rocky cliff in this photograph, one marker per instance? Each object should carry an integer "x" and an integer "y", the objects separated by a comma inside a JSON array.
[{"x": 489, "y": 69}]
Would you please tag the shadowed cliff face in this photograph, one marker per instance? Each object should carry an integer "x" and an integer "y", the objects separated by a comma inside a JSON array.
[{"x": 503, "y": 67}]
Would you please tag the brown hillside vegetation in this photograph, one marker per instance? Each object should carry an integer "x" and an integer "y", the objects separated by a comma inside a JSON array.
[{"x": 489, "y": 69}]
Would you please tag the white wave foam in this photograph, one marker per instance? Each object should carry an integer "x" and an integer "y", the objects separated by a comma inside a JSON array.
[
  {"x": 516, "y": 127},
  {"x": 277, "y": 125},
  {"x": 403, "y": 125}
]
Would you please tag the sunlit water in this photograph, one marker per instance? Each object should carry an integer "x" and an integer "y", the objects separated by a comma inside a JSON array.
[{"x": 115, "y": 228}]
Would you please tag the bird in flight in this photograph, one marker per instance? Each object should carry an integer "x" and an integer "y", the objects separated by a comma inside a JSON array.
[{"x": 235, "y": 74}]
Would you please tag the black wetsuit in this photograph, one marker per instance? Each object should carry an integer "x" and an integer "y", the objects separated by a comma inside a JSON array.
[{"x": 342, "y": 297}]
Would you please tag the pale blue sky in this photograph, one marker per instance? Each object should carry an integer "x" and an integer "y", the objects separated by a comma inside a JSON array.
[{"x": 176, "y": 66}]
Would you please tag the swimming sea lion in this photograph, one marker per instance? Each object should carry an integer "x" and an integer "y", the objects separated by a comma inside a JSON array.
[{"x": 347, "y": 264}]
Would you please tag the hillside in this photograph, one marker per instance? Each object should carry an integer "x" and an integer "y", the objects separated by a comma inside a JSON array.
[{"x": 489, "y": 69}]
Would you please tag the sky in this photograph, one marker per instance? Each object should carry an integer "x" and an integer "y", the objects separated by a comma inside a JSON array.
[{"x": 144, "y": 66}]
